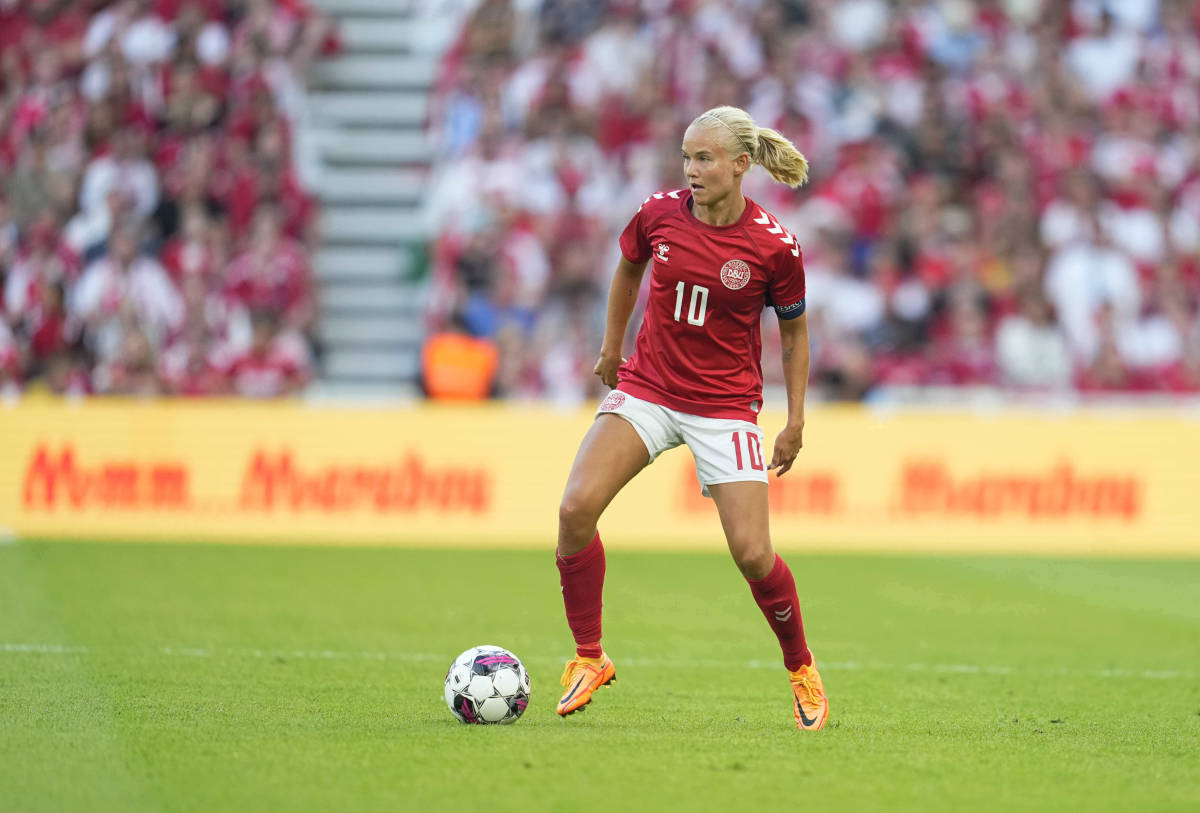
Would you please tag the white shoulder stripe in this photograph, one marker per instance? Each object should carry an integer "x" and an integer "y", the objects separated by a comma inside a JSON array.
[
  {"x": 788, "y": 239},
  {"x": 674, "y": 195}
]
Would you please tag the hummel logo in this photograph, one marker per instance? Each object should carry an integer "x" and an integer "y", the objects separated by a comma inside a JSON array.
[
  {"x": 662, "y": 249},
  {"x": 783, "y": 615}
]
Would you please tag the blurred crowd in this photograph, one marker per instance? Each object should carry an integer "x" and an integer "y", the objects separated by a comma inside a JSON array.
[
  {"x": 154, "y": 237},
  {"x": 1004, "y": 193}
]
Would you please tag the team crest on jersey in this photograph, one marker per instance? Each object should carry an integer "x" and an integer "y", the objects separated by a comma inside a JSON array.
[
  {"x": 735, "y": 274},
  {"x": 613, "y": 401},
  {"x": 660, "y": 252}
]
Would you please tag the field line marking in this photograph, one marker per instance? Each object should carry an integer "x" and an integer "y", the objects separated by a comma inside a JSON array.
[
  {"x": 426, "y": 657},
  {"x": 45, "y": 649}
]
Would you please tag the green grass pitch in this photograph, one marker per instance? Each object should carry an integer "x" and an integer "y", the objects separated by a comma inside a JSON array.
[{"x": 208, "y": 678}]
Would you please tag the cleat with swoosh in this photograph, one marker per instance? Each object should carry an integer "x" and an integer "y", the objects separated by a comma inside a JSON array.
[
  {"x": 581, "y": 678},
  {"x": 809, "y": 703}
]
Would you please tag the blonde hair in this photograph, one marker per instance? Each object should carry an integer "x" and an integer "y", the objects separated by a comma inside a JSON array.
[{"x": 765, "y": 146}]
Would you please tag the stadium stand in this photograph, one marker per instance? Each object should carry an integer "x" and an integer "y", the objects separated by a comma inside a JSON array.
[
  {"x": 367, "y": 116},
  {"x": 154, "y": 230},
  {"x": 1005, "y": 194}
]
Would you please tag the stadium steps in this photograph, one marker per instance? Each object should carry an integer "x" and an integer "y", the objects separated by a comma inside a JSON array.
[
  {"x": 374, "y": 299},
  {"x": 367, "y": 116},
  {"x": 356, "y": 224},
  {"x": 388, "y": 9},
  {"x": 357, "y": 330},
  {"x": 370, "y": 264},
  {"x": 376, "y": 71},
  {"x": 375, "y": 148},
  {"x": 367, "y": 34},
  {"x": 366, "y": 185},
  {"x": 392, "y": 367},
  {"x": 406, "y": 108}
]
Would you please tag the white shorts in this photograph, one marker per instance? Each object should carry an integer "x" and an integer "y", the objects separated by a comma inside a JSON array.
[{"x": 726, "y": 450}]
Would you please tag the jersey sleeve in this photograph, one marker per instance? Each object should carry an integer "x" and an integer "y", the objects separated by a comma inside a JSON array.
[
  {"x": 787, "y": 286},
  {"x": 635, "y": 243}
]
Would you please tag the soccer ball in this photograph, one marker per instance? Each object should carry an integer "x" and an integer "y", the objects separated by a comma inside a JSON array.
[{"x": 487, "y": 684}]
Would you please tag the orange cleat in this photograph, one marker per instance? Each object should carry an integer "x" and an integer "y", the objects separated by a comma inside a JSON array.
[
  {"x": 810, "y": 705},
  {"x": 582, "y": 677}
]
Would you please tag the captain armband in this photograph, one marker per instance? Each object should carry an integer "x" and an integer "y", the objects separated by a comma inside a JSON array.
[{"x": 790, "y": 311}]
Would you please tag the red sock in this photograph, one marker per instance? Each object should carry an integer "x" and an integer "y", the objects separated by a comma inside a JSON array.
[
  {"x": 776, "y": 597},
  {"x": 582, "y": 579}
]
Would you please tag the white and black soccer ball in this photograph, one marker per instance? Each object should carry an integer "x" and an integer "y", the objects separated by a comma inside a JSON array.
[{"x": 487, "y": 684}]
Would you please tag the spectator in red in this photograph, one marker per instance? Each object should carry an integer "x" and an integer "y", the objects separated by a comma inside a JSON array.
[
  {"x": 48, "y": 326},
  {"x": 293, "y": 28},
  {"x": 199, "y": 178},
  {"x": 964, "y": 356},
  {"x": 269, "y": 368},
  {"x": 189, "y": 106},
  {"x": 125, "y": 290},
  {"x": 43, "y": 261},
  {"x": 191, "y": 252},
  {"x": 44, "y": 88},
  {"x": 127, "y": 169},
  {"x": 266, "y": 181},
  {"x": 133, "y": 371},
  {"x": 273, "y": 274},
  {"x": 190, "y": 365}
]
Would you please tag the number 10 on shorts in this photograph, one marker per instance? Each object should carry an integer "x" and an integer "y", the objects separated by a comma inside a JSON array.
[{"x": 753, "y": 450}]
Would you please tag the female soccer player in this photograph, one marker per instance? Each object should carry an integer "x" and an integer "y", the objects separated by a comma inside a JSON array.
[{"x": 695, "y": 377}]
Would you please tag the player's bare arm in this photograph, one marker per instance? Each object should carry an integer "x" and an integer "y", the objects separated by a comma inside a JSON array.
[
  {"x": 622, "y": 296},
  {"x": 793, "y": 336}
]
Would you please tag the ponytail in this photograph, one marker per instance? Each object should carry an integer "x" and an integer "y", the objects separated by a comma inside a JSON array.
[
  {"x": 780, "y": 158},
  {"x": 765, "y": 146}
]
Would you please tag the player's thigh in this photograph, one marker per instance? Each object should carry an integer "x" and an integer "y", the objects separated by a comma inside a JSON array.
[
  {"x": 745, "y": 520},
  {"x": 610, "y": 455}
]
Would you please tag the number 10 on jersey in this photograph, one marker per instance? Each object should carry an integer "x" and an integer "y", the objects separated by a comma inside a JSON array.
[{"x": 697, "y": 307}]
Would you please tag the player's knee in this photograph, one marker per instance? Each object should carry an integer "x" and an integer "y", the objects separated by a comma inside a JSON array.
[
  {"x": 754, "y": 561},
  {"x": 576, "y": 516}
]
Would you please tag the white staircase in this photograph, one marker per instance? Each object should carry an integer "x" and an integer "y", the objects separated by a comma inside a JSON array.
[{"x": 370, "y": 164}]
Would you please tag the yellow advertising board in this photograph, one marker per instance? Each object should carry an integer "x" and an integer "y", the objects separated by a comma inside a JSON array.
[{"x": 1079, "y": 482}]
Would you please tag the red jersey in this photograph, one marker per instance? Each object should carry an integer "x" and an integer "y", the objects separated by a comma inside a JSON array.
[
  {"x": 267, "y": 374},
  {"x": 279, "y": 281},
  {"x": 699, "y": 349}
]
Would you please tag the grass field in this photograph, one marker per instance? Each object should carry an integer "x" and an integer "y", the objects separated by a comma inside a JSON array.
[{"x": 242, "y": 678}]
